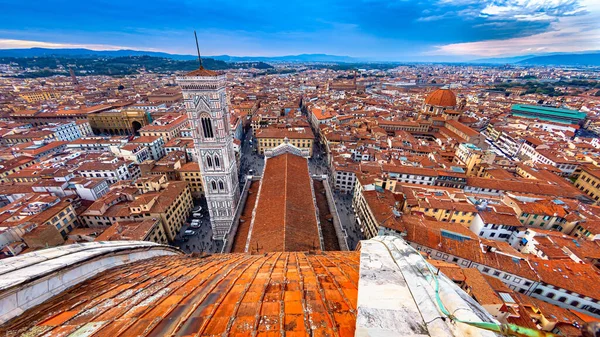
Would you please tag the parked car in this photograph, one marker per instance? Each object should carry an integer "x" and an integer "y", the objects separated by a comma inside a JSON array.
[
  {"x": 189, "y": 232},
  {"x": 197, "y": 215},
  {"x": 195, "y": 225}
]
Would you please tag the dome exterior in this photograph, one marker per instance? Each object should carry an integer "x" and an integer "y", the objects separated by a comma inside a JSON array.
[{"x": 441, "y": 97}]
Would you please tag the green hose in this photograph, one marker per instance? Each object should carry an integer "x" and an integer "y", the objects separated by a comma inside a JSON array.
[{"x": 504, "y": 329}]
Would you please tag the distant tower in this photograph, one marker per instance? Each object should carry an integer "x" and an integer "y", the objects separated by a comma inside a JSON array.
[
  {"x": 205, "y": 102},
  {"x": 73, "y": 78}
]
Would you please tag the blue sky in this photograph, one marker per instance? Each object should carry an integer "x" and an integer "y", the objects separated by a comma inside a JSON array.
[{"x": 377, "y": 29}]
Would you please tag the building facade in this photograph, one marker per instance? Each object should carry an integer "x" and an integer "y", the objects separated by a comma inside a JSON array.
[{"x": 208, "y": 115}]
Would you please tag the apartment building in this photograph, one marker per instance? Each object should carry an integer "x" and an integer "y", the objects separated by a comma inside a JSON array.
[
  {"x": 589, "y": 181},
  {"x": 166, "y": 127}
]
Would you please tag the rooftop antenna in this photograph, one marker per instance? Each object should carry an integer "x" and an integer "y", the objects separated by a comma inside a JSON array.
[{"x": 198, "y": 49}]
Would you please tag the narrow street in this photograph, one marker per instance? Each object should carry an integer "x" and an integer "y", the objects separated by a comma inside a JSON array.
[
  {"x": 201, "y": 241},
  {"x": 249, "y": 160},
  {"x": 343, "y": 203}
]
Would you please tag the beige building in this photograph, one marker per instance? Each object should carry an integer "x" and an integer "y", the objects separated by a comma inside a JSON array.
[
  {"x": 271, "y": 137},
  {"x": 40, "y": 219},
  {"x": 39, "y": 96},
  {"x": 589, "y": 181},
  {"x": 146, "y": 230},
  {"x": 167, "y": 127},
  {"x": 118, "y": 122},
  {"x": 472, "y": 157},
  {"x": 171, "y": 203},
  {"x": 190, "y": 172}
]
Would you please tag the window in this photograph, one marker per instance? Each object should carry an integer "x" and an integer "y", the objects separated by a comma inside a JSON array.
[
  {"x": 221, "y": 185},
  {"x": 562, "y": 299},
  {"x": 575, "y": 303},
  {"x": 486, "y": 270},
  {"x": 207, "y": 127},
  {"x": 209, "y": 161},
  {"x": 496, "y": 273},
  {"x": 217, "y": 161},
  {"x": 550, "y": 295},
  {"x": 538, "y": 291},
  {"x": 213, "y": 185}
]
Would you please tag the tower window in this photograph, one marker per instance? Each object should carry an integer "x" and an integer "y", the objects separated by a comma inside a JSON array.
[
  {"x": 213, "y": 185},
  {"x": 217, "y": 161},
  {"x": 209, "y": 162},
  {"x": 221, "y": 185},
  {"x": 207, "y": 128}
]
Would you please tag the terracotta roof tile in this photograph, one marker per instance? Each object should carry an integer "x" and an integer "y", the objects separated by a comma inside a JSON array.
[{"x": 297, "y": 294}]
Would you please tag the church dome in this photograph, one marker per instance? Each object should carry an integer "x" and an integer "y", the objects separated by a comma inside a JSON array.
[{"x": 441, "y": 97}]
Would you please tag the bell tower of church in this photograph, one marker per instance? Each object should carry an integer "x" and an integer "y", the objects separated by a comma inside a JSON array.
[{"x": 206, "y": 104}]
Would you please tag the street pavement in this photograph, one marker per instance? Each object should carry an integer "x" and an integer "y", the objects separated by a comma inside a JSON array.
[
  {"x": 250, "y": 160},
  {"x": 201, "y": 241},
  {"x": 317, "y": 163},
  {"x": 348, "y": 221}
]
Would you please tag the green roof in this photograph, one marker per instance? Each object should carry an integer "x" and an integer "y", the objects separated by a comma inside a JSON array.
[{"x": 548, "y": 111}]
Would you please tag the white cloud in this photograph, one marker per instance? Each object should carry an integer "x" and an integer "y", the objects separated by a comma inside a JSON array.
[
  {"x": 566, "y": 40},
  {"x": 18, "y": 44},
  {"x": 566, "y": 34}
]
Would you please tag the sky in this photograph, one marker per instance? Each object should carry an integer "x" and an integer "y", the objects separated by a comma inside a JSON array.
[{"x": 385, "y": 30}]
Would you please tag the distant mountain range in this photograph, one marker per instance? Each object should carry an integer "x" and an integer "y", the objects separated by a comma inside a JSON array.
[
  {"x": 587, "y": 59},
  {"x": 290, "y": 58},
  {"x": 81, "y": 52},
  {"x": 564, "y": 59},
  {"x": 574, "y": 59}
]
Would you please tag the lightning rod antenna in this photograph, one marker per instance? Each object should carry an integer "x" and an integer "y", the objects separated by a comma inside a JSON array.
[{"x": 198, "y": 49}]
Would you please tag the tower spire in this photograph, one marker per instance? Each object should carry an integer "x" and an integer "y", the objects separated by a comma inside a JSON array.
[{"x": 198, "y": 49}]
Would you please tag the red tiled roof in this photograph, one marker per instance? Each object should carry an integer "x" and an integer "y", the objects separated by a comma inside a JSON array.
[
  {"x": 285, "y": 218},
  {"x": 441, "y": 97},
  {"x": 220, "y": 295},
  {"x": 202, "y": 72}
]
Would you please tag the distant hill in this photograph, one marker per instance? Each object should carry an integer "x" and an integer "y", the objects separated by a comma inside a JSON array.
[
  {"x": 554, "y": 59},
  {"x": 587, "y": 59},
  {"x": 43, "y": 66},
  {"x": 502, "y": 60},
  {"x": 83, "y": 53},
  {"x": 289, "y": 58}
]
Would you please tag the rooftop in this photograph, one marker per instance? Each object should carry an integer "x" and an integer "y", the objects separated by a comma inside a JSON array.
[
  {"x": 272, "y": 294},
  {"x": 285, "y": 214}
]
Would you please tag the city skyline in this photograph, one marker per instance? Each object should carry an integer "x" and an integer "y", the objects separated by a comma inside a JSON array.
[{"x": 438, "y": 30}]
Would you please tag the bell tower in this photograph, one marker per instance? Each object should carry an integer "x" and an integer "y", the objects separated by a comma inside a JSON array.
[{"x": 206, "y": 104}]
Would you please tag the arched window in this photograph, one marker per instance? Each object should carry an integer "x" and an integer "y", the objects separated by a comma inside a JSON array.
[
  {"x": 550, "y": 295},
  {"x": 217, "y": 161},
  {"x": 575, "y": 303},
  {"x": 221, "y": 185},
  {"x": 213, "y": 185},
  {"x": 207, "y": 128},
  {"x": 209, "y": 161},
  {"x": 562, "y": 299}
]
